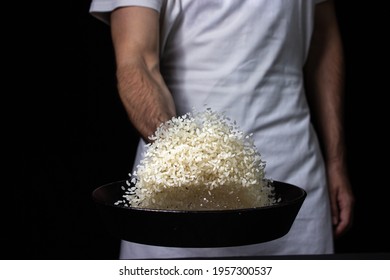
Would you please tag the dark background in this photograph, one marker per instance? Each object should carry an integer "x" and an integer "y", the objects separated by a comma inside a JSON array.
[{"x": 73, "y": 136}]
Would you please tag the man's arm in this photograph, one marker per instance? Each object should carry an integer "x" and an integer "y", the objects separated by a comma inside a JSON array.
[
  {"x": 324, "y": 76},
  {"x": 146, "y": 98}
]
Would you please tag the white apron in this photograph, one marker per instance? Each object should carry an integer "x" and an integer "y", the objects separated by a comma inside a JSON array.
[{"x": 245, "y": 58}]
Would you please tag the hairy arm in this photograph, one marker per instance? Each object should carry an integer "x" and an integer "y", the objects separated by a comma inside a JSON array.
[
  {"x": 324, "y": 76},
  {"x": 146, "y": 98}
]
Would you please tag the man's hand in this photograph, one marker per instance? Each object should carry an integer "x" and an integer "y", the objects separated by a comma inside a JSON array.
[{"x": 341, "y": 198}]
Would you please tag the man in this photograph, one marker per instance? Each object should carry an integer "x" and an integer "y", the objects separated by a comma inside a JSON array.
[{"x": 262, "y": 63}]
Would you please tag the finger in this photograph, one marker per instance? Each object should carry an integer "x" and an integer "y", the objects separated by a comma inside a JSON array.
[
  {"x": 345, "y": 220},
  {"x": 341, "y": 228},
  {"x": 334, "y": 209}
]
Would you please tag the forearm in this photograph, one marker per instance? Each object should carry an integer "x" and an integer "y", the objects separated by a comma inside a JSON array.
[
  {"x": 324, "y": 73},
  {"x": 145, "y": 97}
]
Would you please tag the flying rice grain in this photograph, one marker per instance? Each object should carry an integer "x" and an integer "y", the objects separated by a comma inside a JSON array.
[{"x": 200, "y": 161}]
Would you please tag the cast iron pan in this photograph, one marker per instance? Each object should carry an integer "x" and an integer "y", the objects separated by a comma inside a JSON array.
[{"x": 219, "y": 228}]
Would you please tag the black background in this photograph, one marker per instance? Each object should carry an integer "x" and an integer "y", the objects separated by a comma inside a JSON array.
[{"x": 72, "y": 135}]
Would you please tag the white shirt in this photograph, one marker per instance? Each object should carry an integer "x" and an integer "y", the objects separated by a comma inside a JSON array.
[{"x": 245, "y": 58}]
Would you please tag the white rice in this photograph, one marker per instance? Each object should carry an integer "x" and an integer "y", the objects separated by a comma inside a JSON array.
[{"x": 200, "y": 161}]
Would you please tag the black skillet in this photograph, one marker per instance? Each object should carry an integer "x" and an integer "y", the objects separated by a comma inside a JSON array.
[{"x": 205, "y": 228}]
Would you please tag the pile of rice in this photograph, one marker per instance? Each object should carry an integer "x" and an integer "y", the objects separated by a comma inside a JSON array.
[{"x": 199, "y": 161}]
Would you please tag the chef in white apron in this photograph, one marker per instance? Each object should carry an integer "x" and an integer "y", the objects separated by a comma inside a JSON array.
[{"x": 245, "y": 58}]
